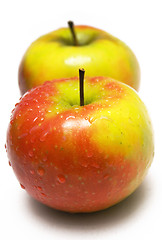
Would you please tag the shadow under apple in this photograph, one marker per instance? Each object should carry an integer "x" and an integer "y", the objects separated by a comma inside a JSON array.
[{"x": 113, "y": 216}]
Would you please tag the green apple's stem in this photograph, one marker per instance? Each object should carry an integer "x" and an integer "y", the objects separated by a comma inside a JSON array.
[
  {"x": 71, "y": 26},
  {"x": 81, "y": 83}
]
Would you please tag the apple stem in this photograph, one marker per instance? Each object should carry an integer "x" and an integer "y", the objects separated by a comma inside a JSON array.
[
  {"x": 71, "y": 26},
  {"x": 81, "y": 83}
]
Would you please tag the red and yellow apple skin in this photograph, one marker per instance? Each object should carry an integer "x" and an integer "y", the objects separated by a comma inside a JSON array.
[
  {"x": 80, "y": 158},
  {"x": 54, "y": 56}
]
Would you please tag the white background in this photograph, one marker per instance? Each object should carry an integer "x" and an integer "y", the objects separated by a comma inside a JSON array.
[{"x": 137, "y": 23}]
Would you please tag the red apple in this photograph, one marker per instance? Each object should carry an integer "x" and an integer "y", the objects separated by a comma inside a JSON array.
[{"x": 80, "y": 158}]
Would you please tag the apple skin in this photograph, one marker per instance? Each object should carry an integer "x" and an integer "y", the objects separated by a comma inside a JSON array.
[
  {"x": 54, "y": 56},
  {"x": 80, "y": 159}
]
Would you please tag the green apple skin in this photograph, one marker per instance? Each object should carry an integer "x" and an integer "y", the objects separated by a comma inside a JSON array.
[
  {"x": 54, "y": 56},
  {"x": 80, "y": 158}
]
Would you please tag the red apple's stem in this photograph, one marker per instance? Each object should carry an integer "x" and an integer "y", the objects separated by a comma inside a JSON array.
[
  {"x": 81, "y": 83},
  {"x": 71, "y": 26}
]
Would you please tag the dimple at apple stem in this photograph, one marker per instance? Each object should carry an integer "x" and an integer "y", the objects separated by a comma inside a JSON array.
[
  {"x": 71, "y": 26},
  {"x": 81, "y": 83}
]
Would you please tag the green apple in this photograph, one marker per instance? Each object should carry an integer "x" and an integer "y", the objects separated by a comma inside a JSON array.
[
  {"x": 60, "y": 53},
  {"x": 80, "y": 158}
]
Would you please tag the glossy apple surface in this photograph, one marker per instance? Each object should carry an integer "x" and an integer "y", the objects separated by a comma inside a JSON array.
[
  {"x": 54, "y": 56},
  {"x": 80, "y": 159}
]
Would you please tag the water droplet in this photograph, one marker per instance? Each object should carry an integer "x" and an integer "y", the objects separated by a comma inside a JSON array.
[
  {"x": 30, "y": 153},
  {"x": 43, "y": 137},
  {"x": 44, "y": 159},
  {"x": 17, "y": 148},
  {"x": 70, "y": 117},
  {"x": 22, "y": 135},
  {"x": 89, "y": 154},
  {"x": 35, "y": 119},
  {"x": 61, "y": 179},
  {"x": 32, "y": 172},
  {"x": 35, "y": 100},
  {"x": 43, "y": 194},
  {"x": 39, "y": 188},
  {"x": 12, "y": 111},
  {"x": 6, "y": 147},
  {"x": 106, "y": 176},
  {"x": 26, "y": 103},
  {"x": 18, "y": 127},
  {"x": 16, "y": 104},
  {"x": 33, "y": 129},
  {"x": 11, "y": 122},
  {"x": 91, "y": 119},
  {"x": 40, "y": 171},
  {"x": 84, "y": 164},
  {"x": 22, "y": 186}
]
